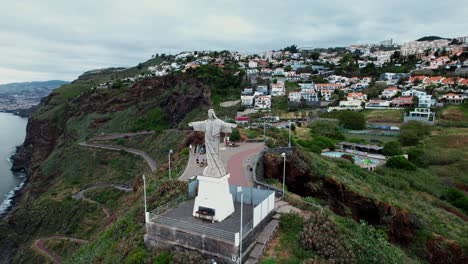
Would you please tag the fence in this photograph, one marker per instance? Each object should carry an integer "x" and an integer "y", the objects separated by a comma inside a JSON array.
[
  {"x": 263, "y": 208},
  {"x": 163, "y": 208},
  {"x": 196, "y": 228}
]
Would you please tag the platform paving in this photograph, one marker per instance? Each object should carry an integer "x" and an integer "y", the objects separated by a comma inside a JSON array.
[{"x": 231, "y": 224}]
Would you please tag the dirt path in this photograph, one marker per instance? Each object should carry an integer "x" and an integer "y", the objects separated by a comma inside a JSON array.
[
  {"x": 81, "y": 194},
  {"x": 39, "y": 246},
  {"x": 120, "y": 135},
  {"x": 150, "y": 161}
]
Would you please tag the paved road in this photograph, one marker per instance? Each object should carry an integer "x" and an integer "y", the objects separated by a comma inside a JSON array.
[
  {"x": 151, "y": 162},
  {"x": 234, "y": 159},
  {"x": 39, "y": 245}
]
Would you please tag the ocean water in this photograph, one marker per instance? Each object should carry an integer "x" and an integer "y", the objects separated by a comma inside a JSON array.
[{"x": 12, "y": 134}]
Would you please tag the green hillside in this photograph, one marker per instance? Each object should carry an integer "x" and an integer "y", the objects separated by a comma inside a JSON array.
[{"x": 409, "y": 212}]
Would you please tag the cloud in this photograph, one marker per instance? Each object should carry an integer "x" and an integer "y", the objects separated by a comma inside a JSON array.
[{"x": 54, "y": 39}]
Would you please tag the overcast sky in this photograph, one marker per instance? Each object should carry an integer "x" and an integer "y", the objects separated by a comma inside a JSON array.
[{"x": 48, "y": 39}]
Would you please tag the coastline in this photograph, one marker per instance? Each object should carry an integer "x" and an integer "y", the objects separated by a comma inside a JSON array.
[
  {"x": 9, "y": 201},
  {"x": 25, "y": 113}
]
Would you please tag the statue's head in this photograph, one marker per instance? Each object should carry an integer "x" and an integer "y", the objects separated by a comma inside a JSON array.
[{"x": 211, "y": 114}]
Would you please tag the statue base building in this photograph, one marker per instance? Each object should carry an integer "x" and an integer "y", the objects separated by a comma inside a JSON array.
[{"x": 214, "y": 201}]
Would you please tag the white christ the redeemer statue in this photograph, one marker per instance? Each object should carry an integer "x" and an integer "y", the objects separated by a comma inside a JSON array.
[{"x": 213, "y": 127}]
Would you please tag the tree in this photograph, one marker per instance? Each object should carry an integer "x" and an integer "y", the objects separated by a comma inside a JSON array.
[
  {"x": 314, "y": 56},
  {"x": 352, "y": 120},
  {"x": 392, "y": 148},
  {"x": 327, "y": 129},
  {"x": 399, "y": 162},
  {"x": 413, "y": 131},
  {"x": 288, "y": 68},
  {"x": 235, "y": 135},
  {"x": 292, "y": 48}
]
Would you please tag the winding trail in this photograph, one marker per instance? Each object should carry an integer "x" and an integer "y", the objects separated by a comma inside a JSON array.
[
  {"x": 112, "y": 136},
  {"x": 81, "y": 194},
  {"x": 39, "y": 243},
  {"x": 39, "y": 246},
  {"x": 150, "y": 161}
]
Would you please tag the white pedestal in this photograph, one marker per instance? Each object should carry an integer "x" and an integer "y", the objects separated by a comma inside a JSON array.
[{"x": 214, "y": 193}]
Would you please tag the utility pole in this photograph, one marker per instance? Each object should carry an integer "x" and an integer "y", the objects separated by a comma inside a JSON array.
[
  {"x": 144, "y": 193},
  {"x": 239, "y": 190},
  {"x": 284, "y": 170},
  {"x": 170, "y": 152}
]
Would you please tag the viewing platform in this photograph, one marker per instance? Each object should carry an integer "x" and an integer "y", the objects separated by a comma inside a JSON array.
[{"x": 174, "y": 226}]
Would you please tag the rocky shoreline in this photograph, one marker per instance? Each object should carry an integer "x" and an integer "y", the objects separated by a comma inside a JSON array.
[{"x": 14, "y": 195}]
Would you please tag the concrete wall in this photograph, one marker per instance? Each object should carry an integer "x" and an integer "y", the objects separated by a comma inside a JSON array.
[{"x": 161, "y": 236}]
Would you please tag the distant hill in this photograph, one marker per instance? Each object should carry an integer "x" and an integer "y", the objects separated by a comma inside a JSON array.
[
  {"x": 430, "y": 38},
  {"x": 21, "y": 98},
  {"x": 30, "y": 87}
]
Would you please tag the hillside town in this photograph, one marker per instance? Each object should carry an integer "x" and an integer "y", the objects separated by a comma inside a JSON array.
[{"x": 418, "y": 75}]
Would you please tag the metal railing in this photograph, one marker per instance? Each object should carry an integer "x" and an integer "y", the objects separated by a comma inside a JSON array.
[
  {"x": 246, "y": 229},
  {"x": 196, "y": 228},
  {"x": 163, "y": 208}
]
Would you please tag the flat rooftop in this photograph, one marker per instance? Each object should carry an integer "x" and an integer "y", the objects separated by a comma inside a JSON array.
[{"x": 181, "y": 218}]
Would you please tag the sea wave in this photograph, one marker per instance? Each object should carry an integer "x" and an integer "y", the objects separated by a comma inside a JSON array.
[{"x": 10, "y": 196}]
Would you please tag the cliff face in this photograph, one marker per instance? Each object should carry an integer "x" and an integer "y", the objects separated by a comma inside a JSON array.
[
  {"x": 175, "y": 95},
  {"x": 53, "y": 132}
]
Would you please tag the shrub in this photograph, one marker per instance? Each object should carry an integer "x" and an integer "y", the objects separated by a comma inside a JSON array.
[
  {"x": 412, "y": 131},
  {"x": 399, "y": 162},
  {"x": 352, "y": 120},
  {"x": 416, "y": 156},
  {"x": 235, "y": 136},
  {"x": 321, "y": 235},
  {"x": 327, "y": 129},
  {"x": 409, "y": 138},
  {"x": 136, "y": 256},
  {"x": 163, "y": 258},
  {"x": 392, "y": 148},
  {"x": 457, "y": 198},
  {"x": 317, "y": 144},
  {"x": 371, "y": 246}
]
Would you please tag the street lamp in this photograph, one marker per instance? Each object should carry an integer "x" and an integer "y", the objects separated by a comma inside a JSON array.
[
  {"x": 170, "y": 152},
  {"x": 144, "y": 193},
  {"x": 284, "y": 170},
  {"x": 239, "y": 190},
  {"x": 289, "y": 144}
]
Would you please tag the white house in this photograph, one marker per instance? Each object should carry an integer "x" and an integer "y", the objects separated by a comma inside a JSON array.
[
  {"x": 277, "y": 89},
  {"x": 292, "y": 76},
  {"x": 424, "y": 99},
  {"x": 247, "y": 100},
  {"x": 378, "y": 103},
  {"x": 263, "y": 102},
  {"x": 294, "y": 96},
  {"x": 309, "y": 95},
  {"x": 278, "y": 71},
  {"x": 252, "y": 71},
  {"x": 253, "y": 64},
  {"x": 352, "y": 105},
  {"x": 452, "y": 98},
  {"x": 390, "y": 92},
  {"x": 306, "y": 86},
  {"x": 354, "y": 96},
  {"x": 328, "y": 86}
]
